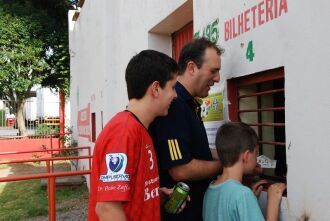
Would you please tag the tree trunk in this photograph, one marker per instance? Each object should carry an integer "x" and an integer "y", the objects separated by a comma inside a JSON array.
[
  {"x": 62, "y": 117},
  {"x": 20, "y": 119}
]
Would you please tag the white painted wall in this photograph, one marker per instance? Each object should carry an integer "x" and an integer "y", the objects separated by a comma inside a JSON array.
[
  {"x": 298, "y": 41},
  {"x": 102, "y": 40},
  {"x": 30, "y": 108},
  {"x": 107, "y": 34},
  {"x": 47, "y": 103}
]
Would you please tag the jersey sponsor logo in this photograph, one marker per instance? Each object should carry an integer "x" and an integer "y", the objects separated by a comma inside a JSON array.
[
  {"x": 151, "y": 181},
  {"x": 174, "y": 148},
  {"x": 116, "y": 166},
  {"x": 119, "y": 187},
  {"x": 151, "y": 194}
]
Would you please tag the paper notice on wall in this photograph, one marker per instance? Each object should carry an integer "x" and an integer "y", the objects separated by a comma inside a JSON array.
[
  {"x": 211, "y": 131},
  {"x": 266, "y": 162},
  {"x": 212, "y": 108},
  {"x": 212, "y": 115}
]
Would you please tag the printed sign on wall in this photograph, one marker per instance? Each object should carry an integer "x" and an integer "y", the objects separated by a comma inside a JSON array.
[
  {"x": 84, "y": 123},
  {"x": 212, "y": 115},
  {"x": 212, "y": 108}
]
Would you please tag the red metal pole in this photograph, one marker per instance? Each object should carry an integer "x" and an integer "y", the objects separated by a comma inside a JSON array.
[
  {"x": 90, "y": 159},
  {"x": 51, "y": 194},
  {"x": 51, "y": 199},
  {"x": 51, "y": 151},
  {"x": 50, "y": 190}
]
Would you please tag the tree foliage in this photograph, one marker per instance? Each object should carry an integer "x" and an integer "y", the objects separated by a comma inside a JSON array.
[{"x": 33, "y": 47}]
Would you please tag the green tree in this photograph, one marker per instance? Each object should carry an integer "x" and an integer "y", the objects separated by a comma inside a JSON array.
[{"x": 33, "y": 49}]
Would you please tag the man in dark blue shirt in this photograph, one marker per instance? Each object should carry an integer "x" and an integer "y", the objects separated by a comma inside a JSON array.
[{"x": 180, "y": 138}]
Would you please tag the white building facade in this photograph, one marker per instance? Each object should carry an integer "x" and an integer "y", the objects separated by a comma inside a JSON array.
[{"x": 271, "y": 47}]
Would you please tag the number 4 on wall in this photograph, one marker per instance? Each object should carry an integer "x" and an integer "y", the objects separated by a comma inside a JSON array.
[{"x": 249, "y": 51}]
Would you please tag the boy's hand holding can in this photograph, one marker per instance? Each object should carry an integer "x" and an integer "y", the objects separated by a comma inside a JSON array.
[{"x": 177, "y": 200}]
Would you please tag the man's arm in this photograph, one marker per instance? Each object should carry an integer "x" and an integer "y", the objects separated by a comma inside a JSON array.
[
  {"x": 195, "y": 170},
  {"x": 108, "y": 211}
]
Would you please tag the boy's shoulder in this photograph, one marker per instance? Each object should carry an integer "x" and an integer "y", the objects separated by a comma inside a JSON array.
[
  {"x": 122, "y": 123},
  {"x": 123, "y": 119}
]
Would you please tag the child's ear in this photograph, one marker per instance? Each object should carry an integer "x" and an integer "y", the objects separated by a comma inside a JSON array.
[{"x": 245, "y": 156}]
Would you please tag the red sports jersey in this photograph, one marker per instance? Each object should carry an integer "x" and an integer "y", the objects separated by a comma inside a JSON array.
[{"x": 124, "y": 168}]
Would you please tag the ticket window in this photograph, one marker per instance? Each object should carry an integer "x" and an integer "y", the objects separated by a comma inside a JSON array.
[{"x": 258, "y": 100}]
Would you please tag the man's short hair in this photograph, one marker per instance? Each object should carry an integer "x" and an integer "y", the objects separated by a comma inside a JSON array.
[
  {"x": 146, "y": 67},
  {"x": 194, "y": 51},
  {"x": 232, "y": 139}
]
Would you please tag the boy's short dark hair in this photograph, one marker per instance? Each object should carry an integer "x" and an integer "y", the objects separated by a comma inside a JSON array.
[
  {"x": 232, "y": 139},
  {"x": 146, "y": 67},
  {"x": 194, "y": 51}
]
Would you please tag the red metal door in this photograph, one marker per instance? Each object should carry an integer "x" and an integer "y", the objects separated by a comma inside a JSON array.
[{"x": 180, "y": 38}]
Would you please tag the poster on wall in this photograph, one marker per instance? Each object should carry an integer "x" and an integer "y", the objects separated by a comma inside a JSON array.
[
  {"x": 84, "y": 123},
  {"x": 212, "y": 115}
]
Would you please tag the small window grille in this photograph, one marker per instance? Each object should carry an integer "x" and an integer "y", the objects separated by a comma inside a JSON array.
[{"x": 259, "y": 101}]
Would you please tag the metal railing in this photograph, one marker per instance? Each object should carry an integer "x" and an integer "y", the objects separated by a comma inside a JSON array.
[{"x": 50, "y": 175}]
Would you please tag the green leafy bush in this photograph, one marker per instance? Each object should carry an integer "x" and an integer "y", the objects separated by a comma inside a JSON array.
[{"x": 45, "y": 129}]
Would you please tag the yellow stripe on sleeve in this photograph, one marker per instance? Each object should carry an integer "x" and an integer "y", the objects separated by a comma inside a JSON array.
[
  {"x": 174, "y": 150},
  {"x": 177, "y": 148},
  {"x": 171, "y": 149}
]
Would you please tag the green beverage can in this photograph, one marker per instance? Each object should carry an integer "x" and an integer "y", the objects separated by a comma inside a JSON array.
[{"x": 179, "y": 195}]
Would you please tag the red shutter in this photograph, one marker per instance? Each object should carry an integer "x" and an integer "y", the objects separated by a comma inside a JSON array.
[
  {"x": 180, "y": 38},
  {"x": 93, "y": 117}
]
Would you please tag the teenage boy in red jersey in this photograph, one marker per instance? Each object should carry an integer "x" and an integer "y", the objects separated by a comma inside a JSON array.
[{"x": 124, "y": 179}]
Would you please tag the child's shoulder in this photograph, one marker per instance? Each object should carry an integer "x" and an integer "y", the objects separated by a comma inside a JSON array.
[{"x": 237, "y": 188}]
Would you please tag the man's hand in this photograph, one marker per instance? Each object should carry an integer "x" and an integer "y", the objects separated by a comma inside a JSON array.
[{"x": 165, "y": 194}]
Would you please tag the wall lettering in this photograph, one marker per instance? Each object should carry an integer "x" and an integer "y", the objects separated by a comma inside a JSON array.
[
  {"x": 211, "y": 31},
  {"x": 257, "y": 15}
]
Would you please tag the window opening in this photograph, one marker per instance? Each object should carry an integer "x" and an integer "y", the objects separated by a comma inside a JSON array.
[{"x": 259, "y": 101}]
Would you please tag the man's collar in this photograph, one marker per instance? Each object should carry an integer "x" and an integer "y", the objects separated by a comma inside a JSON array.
[
  {"x": 185, "y": 95},
  {"x": 182, "y": 91},
  {"x": 195, "y": 103}
]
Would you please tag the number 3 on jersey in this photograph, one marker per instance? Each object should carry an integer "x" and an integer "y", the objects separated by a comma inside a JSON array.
[{"x": 151, "y": 160}]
